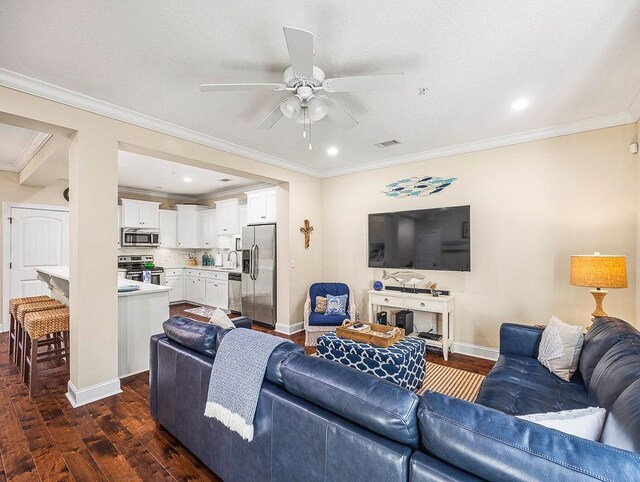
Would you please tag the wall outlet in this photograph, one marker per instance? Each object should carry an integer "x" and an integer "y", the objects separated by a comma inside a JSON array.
[{"x": 432, "y": 326}]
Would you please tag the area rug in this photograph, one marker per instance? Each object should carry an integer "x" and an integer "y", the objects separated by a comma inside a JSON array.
[
  {"x": 204, "y": 311},
  {"x": 451, "y": 381}
]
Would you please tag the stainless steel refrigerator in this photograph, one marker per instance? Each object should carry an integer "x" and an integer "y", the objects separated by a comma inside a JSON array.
[{"x": 259, "y": 273}]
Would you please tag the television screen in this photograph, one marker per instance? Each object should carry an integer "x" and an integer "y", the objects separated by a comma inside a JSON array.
[{"x": 433, "y": 239}]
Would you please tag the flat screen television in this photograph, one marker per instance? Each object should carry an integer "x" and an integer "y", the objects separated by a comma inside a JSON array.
[{"x": 431, "y": 239}]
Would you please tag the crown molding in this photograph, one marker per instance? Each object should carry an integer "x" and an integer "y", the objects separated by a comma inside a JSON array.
[
  {"x": 196, "y": 198},
  {"x": 39, "y": 88},
  {"x": 29, "y": 85},
  {"x": 30, "y": 149},
  {"x": 612, "y": 120}
]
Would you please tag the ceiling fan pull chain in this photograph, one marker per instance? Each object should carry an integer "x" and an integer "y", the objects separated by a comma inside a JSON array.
[{"x": 310, "y": 147}]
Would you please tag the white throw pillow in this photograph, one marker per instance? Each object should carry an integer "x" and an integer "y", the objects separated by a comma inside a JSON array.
[
  {"x": 560, "y": 348},
  {"x": 221, "y": 319},
  {"x": 583, "y": 422}
]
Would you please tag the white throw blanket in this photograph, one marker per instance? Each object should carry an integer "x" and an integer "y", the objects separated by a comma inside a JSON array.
[{"x": 236, "y": 378}]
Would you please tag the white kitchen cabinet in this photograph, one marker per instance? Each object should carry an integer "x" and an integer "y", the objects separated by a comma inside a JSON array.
[
  {"x": 140, "y": 214},
  {"x": 207, "y": 235},
  {"x": 168, "y": 228},
  {"x": 242, "y": 217},
  {"x": 194, "y": 289},
  {"x": 227, "y": 217},
  {"x": 261, "y": 206},
  {"x": 119, "y": 226},
  {"x": 217, "y": 293},
  {"x": 176, "y": 283},
  {"x": 188, "y": 225}
]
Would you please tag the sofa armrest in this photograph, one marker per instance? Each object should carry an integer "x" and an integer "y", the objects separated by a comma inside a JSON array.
[{"x": 520, "y": 340}]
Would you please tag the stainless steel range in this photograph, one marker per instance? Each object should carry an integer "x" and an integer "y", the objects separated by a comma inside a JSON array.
[{"x": 134, "y": 265}]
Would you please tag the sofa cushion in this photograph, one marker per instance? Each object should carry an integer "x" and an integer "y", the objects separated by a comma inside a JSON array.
[
  {"x": 378, "y": 405},
  {"x": 321, "y": 319},
  {"x": 520, "y": 385},
  {"x": 622, "y": 427},
  {"x": 602, "y": 335},
  {"x": 324, "y": 289},
  {"x": 617, "y": 369},
  {"x": 195, "y": 335},
  {"x": 515, "y": 399},
  {"x": 496, "y": 446}
]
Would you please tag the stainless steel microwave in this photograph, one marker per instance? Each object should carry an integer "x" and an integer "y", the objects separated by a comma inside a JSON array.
[{"x": 140, "y": 237}]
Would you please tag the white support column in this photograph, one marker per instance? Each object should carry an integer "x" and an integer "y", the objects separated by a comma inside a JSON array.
[{"x": 93, "y": 298}]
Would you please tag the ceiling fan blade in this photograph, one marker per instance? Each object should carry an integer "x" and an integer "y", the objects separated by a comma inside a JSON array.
[
  {"x": 274, "y": 116},
  {"x": 337, "y": 114},
  {"x": 365, "y": 82},
  {"x": 228, "y": 87},
  {"x": 300, "y": 45}
]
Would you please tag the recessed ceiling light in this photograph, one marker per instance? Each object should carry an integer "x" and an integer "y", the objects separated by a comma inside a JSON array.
[
  {"x": 224, "y": 179},
  {"x": 332, "y": 151},
  {"x": 187, "y": 179},
  {"x": 519, "y": 104}
]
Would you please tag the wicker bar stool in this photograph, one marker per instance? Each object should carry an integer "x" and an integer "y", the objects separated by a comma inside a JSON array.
[
  {"x": 45, "y": 329},
  {"x": 21, "y": 311},
  {"x": 13, "y": 322}
]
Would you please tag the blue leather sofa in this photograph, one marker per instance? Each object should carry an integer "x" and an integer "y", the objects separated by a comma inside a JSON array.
[{"x": 317, "y": 420}]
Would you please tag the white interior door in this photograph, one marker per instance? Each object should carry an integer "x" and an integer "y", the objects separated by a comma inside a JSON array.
[{"x": 39, "y": 237}]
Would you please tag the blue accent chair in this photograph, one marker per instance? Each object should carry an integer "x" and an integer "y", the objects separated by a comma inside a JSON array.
[{"x": 316, "y": 324}]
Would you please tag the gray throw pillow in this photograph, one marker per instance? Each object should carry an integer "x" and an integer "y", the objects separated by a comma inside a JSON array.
[{"x": 560, "y": 348}]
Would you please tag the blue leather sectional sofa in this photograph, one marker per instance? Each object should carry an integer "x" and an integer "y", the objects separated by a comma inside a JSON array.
[{"x": 317, "y": 420}]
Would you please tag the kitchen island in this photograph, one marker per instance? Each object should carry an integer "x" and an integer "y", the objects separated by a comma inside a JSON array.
[{"x": 140, "y": 315}]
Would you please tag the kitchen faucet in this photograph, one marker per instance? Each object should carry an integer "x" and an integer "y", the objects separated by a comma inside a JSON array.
[{"x": 235, "y": 264}]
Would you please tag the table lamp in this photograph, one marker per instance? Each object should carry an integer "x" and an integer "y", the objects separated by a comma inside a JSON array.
[{"x": 597, "y": 271}]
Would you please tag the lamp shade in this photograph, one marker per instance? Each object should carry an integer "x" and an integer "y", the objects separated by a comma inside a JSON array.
[{"x": 598, "y": 271}]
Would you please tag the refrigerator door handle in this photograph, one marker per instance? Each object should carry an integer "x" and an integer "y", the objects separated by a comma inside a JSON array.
[
  {"x": 252, "y": 267},
  {"x": 255, "y": 264}
]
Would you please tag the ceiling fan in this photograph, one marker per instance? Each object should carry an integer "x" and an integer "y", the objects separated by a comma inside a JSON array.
[{"x": 306, "y": 83}]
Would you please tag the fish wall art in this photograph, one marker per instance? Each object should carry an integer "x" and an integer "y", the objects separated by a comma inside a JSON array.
[{"x": 417, "y": 186}]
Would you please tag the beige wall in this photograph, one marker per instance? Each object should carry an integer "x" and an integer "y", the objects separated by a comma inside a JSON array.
[
  {"x": 93, "y": 164},
  {"x": 532, "y": 206},
  {"x": 12, "y": 191}
]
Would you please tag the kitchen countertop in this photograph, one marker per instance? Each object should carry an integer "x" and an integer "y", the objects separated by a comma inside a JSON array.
[
  {"x": 62, "y": 272},
  {"x": 206, "y": 268}
]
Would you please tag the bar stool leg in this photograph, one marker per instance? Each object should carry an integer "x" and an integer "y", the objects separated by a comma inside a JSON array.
[
  {"x": 33, "y": 371},
  {"x": 26, "y": 347}
]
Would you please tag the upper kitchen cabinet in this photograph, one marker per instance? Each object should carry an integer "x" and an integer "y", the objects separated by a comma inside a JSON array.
[
  {"x": 168, "y": 228},
  {"x": 261, "y": 206},
  {"x": 140, "y": 214},
  {"x": 188, "y": 226},
  {"x": 242, "y": 216},
  {"x": 207, "y": 235},
  {"x": 227, "y": 218}
]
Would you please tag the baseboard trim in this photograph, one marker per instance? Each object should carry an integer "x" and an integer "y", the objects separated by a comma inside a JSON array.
[
  {"x": 78, "y": 397},
  {"x": 475, "y": 350},
  {"x": 289, "y": 329}
]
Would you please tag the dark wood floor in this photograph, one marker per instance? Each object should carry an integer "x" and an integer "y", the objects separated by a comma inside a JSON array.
[{"x": 112, "y": 439}]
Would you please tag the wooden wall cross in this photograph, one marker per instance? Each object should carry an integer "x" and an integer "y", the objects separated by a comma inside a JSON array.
[{"x": 307, "y": 229}]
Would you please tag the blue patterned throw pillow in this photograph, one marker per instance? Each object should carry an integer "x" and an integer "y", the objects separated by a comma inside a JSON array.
[{"x": 336, "y": 305}]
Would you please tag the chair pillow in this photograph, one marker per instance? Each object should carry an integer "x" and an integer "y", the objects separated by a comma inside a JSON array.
[
  {"x": 495, "y": 446},
  {"x": 321, "y": 304},
  {"x": 336, "y": 305},
  {"x": 560, "y": 348},
  {"x": 581, "y": 422}
]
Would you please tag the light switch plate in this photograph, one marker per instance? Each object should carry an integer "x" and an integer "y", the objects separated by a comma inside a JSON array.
[{"x": 293, "y": 263}]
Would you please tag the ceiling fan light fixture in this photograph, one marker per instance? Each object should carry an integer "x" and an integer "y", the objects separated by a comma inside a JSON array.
[
  {"x": 291, "y": 107},
  {"x": 317, "y": 109}
]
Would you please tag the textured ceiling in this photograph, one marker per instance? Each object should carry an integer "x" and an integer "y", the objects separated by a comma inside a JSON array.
[
  {"x": 574, "y": 60},
  {"x": 150, "y": 174}
]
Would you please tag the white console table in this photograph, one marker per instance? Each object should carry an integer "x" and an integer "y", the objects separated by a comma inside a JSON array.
[{"x": 441, "y": 305}]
